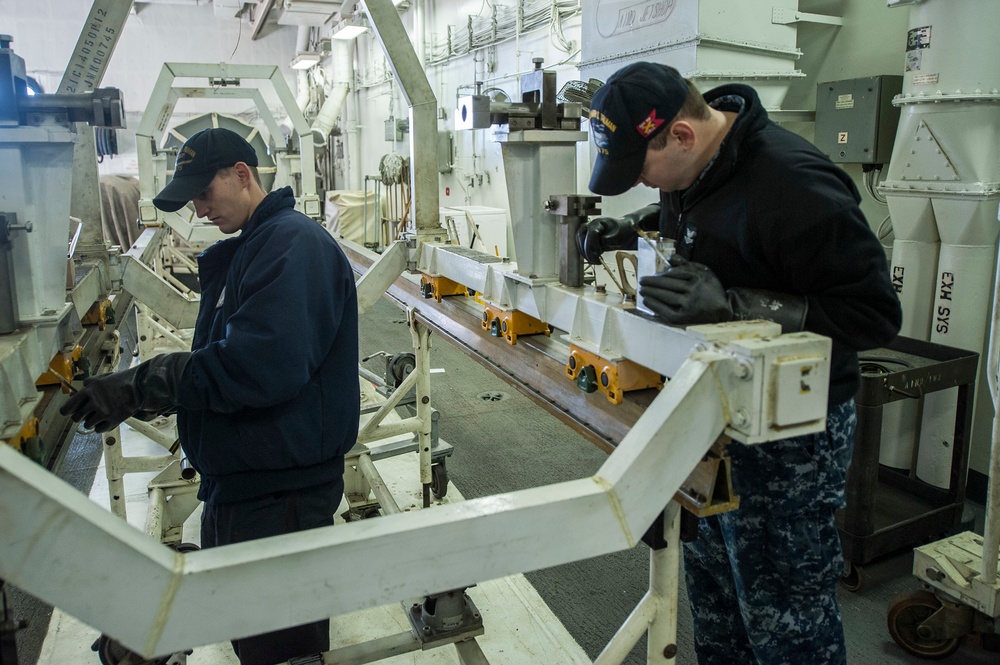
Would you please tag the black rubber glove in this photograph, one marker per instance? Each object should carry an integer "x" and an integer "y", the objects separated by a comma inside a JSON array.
[
  {"x": 144, "y": 391},
  {"x": 788, "y": 310},
  {"x": 605, "y": 234},
  {"x": 686, "y": 293},
  {"x": 689, "y": 293}
]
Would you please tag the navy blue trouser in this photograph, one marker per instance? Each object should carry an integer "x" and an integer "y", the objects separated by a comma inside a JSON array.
[
  {"x": 272, "y": 515},
  {"x": 762, "y": 579}
]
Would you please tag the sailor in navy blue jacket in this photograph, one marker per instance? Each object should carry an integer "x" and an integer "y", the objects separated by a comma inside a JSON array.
[
  {"x": 766, "y": 228},
  {"x": 268, "y": 398}
]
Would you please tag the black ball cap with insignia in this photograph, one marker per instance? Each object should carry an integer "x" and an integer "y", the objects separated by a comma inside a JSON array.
[
  {"x": 198, "y": 160},
  {"x": 638, "y": 102}
]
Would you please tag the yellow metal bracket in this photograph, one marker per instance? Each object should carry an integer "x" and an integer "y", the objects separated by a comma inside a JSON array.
[
  {"x": 440, "y": 287},
  {"x": 511, "y": 324},
  {"x": 22, "y": 439},
  {"x": 62, "y": 365},
  {"x": 98, "y": 313},
  {"x": 614, "y": 378}
]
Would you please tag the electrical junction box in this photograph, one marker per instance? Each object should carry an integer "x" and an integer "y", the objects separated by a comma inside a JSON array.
[
  {"x": 855, "y": 119},
  {"x": 395, "y": 128},
  {"x": 445, "y": 148}
]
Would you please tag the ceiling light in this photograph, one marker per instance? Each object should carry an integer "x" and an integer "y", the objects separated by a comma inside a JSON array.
[
  {"x": 349, "y": 32},
  {"x": 305, "y": 60}
]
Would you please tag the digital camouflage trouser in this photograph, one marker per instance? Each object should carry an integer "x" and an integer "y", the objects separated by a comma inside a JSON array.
[{"x": 762, "y": 580}]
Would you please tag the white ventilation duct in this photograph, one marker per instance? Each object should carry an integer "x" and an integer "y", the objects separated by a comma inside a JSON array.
[
  {"x": 942, "y": 188},
  {"x": 342, "y": 66}
]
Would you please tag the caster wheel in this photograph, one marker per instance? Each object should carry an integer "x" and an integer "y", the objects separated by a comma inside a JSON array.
[
  {"x": 905, "y": 617},
  {"x": 113, "y": 653},
  {"x": 853, "y": 578},
  {"x": 399, "y": 367},
  {"x": 439, "y": 480},
  {"x": 185, "y": 547}
]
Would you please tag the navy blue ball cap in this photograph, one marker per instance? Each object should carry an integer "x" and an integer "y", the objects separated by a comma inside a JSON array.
[
  {"x": 638, "y": 102},
  {"x": 198, "y": 160}
]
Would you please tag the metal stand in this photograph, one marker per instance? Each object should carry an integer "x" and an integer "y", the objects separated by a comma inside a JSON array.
[
  {"x": 656, "y": 613},
  {"x": 438, "y": 620},
  {"x": 422, "y": 423}
]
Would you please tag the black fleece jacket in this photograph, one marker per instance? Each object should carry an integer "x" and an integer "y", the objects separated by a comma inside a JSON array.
[
  {"x": 271, "y": 400},
  {"x": 772, "y": 212}
]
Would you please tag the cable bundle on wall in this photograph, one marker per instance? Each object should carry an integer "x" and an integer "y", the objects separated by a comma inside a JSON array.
[
  {"x": 871, "y": 176},
  {"x": 502, "y": 24}
]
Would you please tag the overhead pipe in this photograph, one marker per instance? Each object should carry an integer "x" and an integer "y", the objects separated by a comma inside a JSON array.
[
  {"x": 302, "y": 39},
  {"x": 303, "y": 90},
  {"x": 343, "y": 71}
]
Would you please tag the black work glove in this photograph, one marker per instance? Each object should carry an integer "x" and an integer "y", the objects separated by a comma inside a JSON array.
[
  {"x": 689, "y": 293},
  {"x": 686, "y": 293},
  {"x": 606, "y": 234},
  {"x": 144, "y": 391}
]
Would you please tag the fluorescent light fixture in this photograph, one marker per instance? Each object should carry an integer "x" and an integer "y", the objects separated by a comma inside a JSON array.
[
  {"x": 348, "y": 32},
  {"x": 305, "y": 60}
]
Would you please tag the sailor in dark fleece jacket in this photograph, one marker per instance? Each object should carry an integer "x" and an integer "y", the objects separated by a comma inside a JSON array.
[
  {"x": 268, "y": 399},
  {"x": 766, "y": 227}
]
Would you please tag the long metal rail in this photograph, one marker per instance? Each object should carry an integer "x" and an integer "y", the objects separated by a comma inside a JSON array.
[{"x": 529, "y": 367}]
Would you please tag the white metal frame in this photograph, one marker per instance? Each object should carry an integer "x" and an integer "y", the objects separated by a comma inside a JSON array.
[
  {"x": 73, "y": 554},
  {"x": 153, "y": 127}
]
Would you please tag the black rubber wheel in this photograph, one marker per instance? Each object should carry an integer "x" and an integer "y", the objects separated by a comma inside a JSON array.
[
  {"x": 439, "y": 480},
  {"x": 400, "y": 366},
  {"x": 113, "y": 653},
  {"x": 185, "y": 547},
  {"x": 853, "y": 578},
  {"x": 907, "y": 613}
]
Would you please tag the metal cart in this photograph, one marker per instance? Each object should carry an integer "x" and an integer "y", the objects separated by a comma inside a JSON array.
[{"x": 890, "y": 510}]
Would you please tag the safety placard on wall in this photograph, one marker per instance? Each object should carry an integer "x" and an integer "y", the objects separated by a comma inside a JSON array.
[
  {"x": 918, "y": 38},
  {"x": 916, "y": 41}
]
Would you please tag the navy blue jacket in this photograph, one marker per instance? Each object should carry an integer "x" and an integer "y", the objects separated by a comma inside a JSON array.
[
  {"x": 270, "y": 398},
  {"x": 772, "y": 212}
]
